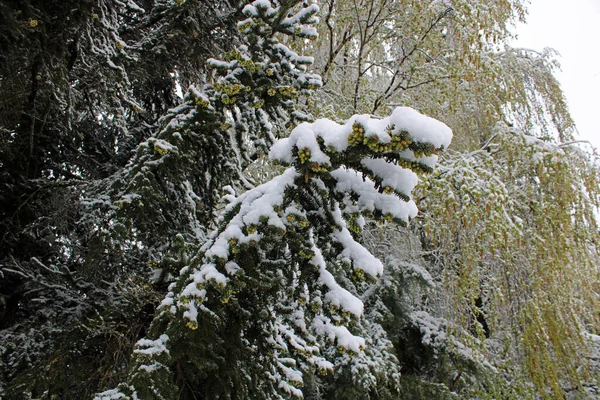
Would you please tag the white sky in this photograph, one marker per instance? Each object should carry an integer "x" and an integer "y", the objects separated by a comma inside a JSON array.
[{"x": 573, "y": 29}]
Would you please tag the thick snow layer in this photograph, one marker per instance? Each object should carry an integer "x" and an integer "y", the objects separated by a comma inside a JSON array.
[
  {"x": 303, "y": 15},
  {"x": 291, "y": 374},
  {"x": 335, "y": 136},
  {"x": 340, "y": 297},
  {"x": 292, "y": 55},
  {"x": 303, "y": 138},
  {"x": 337, "y": 295},
  {"x": 192, "y": 312},
  {"x": 340, "y": 334},
  {"x": 252, "y": 9},
  {"x": 361, "y": 257},
  {"x": 149, "y": 368},
  {"x": 255, "y": 205},
  {"x": 209, "y": 272},
  {"x": 400, "y": 179},
  {"x": 408, "y": 155},
  {"x": 168, "y": 301},
  {"x": 192, "y": 290},
  {"x": 152, "y": 347},
  {"x": 370, "y": 199},
  {"x": 421, "y": 127},
  {"x": 373, "y": 126},
  {"x": 232, "y": 267},
  {"x": 286, "y": 387},
  {"x": 113, "y": 394}
]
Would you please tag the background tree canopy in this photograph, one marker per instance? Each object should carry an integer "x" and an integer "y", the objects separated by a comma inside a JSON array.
[{"x": 153, "y": 245}]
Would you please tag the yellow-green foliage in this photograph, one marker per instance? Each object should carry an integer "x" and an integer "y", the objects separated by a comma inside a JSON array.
[
  {"x": 513, "y": 227},
  {"x": 512, "y": 224}
]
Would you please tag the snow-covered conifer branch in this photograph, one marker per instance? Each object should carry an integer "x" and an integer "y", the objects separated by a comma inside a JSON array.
[{"x": 284, "y": 248}]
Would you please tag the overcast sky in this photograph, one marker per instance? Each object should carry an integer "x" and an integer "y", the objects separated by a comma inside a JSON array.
[{"x": 573, "y": 29}]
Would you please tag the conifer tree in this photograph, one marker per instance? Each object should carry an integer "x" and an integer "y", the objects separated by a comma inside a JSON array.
[
  {"x": 174, "y": 180},
  {"x": 83, "y": 84},
  {"x": 256, "y": 310},
  {"x": 144, "y": 181},
  {"x": 104, "y": 132}
]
